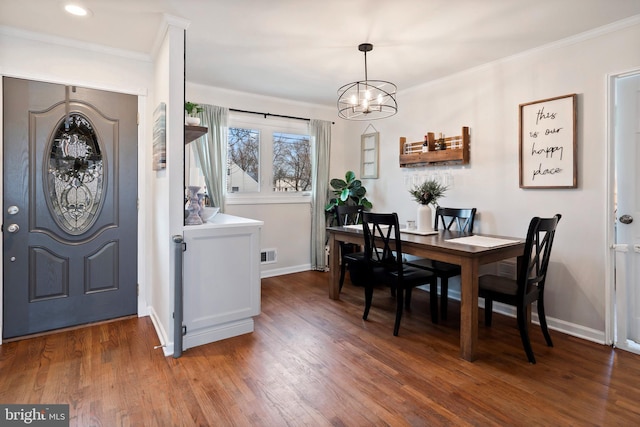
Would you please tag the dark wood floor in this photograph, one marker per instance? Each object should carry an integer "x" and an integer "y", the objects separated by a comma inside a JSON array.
[{"x": 313, "y": 361}]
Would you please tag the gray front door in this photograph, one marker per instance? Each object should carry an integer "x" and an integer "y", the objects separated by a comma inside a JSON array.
[{"x": 69, "y": 206}]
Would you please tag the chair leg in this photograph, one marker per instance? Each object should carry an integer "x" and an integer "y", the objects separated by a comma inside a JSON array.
[
  {"x": 543, "y": 322},
  {"x": 343, "y": 267},
  {"x": 407, "y": 299},
  {"x": 444, "y": 297},
  {"x": 399, "y": 309},
  {"x": 433, "y": 299},
  {"x": 488, "y": 311},
  {"x": 368, "y": 297},
  {"x": 524, "y": 334}
]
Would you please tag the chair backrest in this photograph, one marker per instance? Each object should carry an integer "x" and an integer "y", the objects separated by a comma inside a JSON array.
[
  {"x": 382, "y": 244},
  {"x": 537, "y": 252},
  {"x": 349, "y": 215},
  {"x": 463, "y": 218}
]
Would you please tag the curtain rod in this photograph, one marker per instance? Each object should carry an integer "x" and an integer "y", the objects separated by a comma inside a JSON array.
[{"x": 272, "y": 115}]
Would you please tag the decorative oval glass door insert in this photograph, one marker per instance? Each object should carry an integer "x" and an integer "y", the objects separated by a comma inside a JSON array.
[{"x": 76, "y": 174}]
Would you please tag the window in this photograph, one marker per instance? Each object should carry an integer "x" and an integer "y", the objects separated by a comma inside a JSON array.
[
  {"x": 291, "y": 162},
  {"x": 268, "y": 157},
  {"x": 243, "y": 160}
]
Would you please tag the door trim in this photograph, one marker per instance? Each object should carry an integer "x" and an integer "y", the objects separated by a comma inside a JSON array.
[{"x": 610, "y": 217}]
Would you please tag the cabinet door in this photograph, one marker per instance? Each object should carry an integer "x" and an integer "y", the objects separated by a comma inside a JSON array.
[{"x": 221, "y": 282}]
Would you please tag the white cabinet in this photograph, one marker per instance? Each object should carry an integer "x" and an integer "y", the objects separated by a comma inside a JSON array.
[{"x": 221, "y": 276}]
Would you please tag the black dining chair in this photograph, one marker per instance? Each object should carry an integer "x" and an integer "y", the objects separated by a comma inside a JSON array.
[
  {"x": 463, "y": 220},
  {"x": 351, "y": 255},
  {"x": 383, "y": 256},
  {"x": 528, "y": 287}
]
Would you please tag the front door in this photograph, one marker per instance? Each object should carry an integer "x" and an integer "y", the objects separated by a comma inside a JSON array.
[
  {"x": 69, "y": 206},
  {"x": 627, "y": 252}
]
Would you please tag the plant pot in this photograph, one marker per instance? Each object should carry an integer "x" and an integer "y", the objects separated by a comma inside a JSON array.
[{"x": 192, "y": 121}]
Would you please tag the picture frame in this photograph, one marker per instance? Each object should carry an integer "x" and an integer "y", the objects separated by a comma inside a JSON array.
[
  {"x": 548, "y": 143},
  {"x": 160, "y": 137},
  {"x": 369, "y": 143}
]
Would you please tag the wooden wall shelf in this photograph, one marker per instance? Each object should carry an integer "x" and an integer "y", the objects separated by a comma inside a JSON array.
[
  {"x": 193, "y": 132},
  {"x": 457, "y": 150}
]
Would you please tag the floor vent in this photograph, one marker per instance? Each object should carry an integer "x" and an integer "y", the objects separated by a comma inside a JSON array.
[{"x": 268, "y": 256}]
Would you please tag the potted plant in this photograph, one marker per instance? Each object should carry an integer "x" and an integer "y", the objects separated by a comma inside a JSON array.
[
  {"x": 427, "y": 194},
  {"x": 347, "y": 191},
  {"x": 192, "y": 109}
]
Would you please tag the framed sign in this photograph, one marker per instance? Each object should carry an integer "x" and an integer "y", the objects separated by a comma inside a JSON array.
[
  {"x": 548, "y": 143},
  {"x": 369, "y": 155}
]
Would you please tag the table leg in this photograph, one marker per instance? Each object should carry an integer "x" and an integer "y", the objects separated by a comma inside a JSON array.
[
  {"x": 469, "y": 309},
  {"x": 334, "y": 267}
]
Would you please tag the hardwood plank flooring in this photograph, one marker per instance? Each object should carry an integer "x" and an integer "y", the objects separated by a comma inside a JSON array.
[{"x": 313, "y": 361}]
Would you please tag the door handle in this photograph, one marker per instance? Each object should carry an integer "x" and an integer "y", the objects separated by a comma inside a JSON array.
[
  {"x": 13, "y": 228},
  {"x": 626, "y": 219}
]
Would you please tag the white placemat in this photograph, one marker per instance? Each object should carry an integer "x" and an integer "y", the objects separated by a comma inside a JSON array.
[
  {"x": 485, "y": 242},
  {"x": 359, "y": 226},
  {"x": 354, "y": 226},
  {"x": 416, "y": 231}
]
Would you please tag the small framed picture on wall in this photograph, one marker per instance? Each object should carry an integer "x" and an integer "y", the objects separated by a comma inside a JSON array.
[{"x": 369, "y": 155}]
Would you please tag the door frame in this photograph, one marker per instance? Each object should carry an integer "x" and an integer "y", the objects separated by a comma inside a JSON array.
[
  {"x": 610, "y": 217},
  {"x": 143, "y": 181}
]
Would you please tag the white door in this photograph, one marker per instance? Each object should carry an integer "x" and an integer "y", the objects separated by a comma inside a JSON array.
[{"x": 627, "y": 226}]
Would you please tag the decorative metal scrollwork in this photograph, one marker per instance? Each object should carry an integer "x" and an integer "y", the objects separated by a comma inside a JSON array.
[{"x": 76, "y": 174}]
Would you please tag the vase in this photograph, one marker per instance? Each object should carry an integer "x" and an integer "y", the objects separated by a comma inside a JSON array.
[
  {"x": 193, "y": 207},
  {"x": 424, "y": 219},
  {"x": 192, "y": 121},
  {"x": 201, "y": 204}
]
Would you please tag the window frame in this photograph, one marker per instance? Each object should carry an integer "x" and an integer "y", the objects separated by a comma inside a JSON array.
[{"x": 267, "y": 126}]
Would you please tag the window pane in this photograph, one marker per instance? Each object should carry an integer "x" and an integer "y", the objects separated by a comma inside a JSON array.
[
  {"x": 243, "y": 160},
  {"x": 75, "y": 179},
  {"x": 291, "y": 162}
]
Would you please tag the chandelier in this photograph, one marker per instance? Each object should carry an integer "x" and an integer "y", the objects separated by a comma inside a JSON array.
[{"x": 367, "y": 99}]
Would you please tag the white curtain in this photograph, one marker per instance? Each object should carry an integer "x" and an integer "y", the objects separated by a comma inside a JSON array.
[
  {"x": 210, "y": 151},
  {"x": 320, "y": 131}
]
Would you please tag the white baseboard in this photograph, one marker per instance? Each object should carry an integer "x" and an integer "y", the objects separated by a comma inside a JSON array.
[
  {"x": 282, "y": 271},
  {"x": 563, "y": 326},
  {"x": 167, "y": 348},
  {"x": 217, "y": 333}
]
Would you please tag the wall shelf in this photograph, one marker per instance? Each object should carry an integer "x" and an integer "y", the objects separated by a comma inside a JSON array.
[
  {"x": 193, "y": 132},
  {"x": 456, "y": 152}
]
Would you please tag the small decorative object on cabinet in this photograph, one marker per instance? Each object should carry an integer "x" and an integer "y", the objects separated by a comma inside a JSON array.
[
  {"x": 193, "y": 207},
  {"x": 452, "y": 149}
]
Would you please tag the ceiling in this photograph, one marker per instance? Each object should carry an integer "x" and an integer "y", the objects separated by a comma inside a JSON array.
[{"x": 305, "y": 50}]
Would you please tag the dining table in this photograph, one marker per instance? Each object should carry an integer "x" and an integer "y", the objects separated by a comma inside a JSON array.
[{"x": 468, "y": 250}]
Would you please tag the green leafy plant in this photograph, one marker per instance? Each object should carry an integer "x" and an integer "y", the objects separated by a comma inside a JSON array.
[
  {"x": 348, "y": 191},
  {"x": 192, "y": 108},
  {"x": 428, "y": 192}
]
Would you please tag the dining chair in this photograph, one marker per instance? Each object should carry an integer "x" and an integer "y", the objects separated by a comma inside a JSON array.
[
  {"x": 463, "y": 219},
  {"x": 351, "y": 254},
  {"x": 528, "y": 287},
  {"x": 384, "y": 259}
]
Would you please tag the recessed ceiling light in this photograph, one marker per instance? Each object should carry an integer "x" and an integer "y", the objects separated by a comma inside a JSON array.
[{"x": 77, "y": 10}]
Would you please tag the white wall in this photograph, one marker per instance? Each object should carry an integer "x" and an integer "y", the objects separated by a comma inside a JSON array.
[
  {"x": 486, "y": 99},
  {"x": 287, "y": 226},
  {"x": 167, "y": 184}
]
